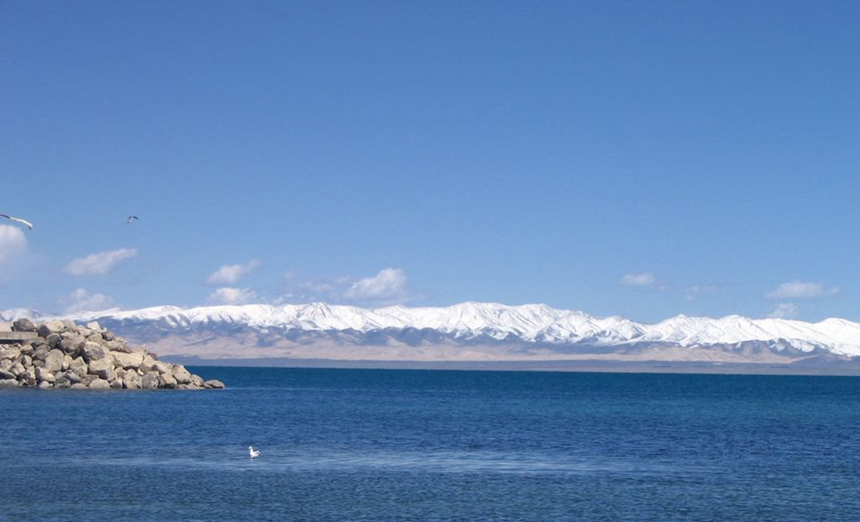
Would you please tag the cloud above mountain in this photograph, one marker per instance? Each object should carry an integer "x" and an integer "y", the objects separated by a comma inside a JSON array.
[
  {"x": 99, "y": 263},
  {"x": 801, "y": 290},
  {"x": 82, "y": 301},
  {"x": 643, "y": 280},
  {"x": 388, "y": 284},
  {"x": 232, "y": 296},
  {"x": 785, "y": 311},
  {"x": 692, "y": 293},
  {"x": 640, "y": 279},
  {"x": 231, "y": 274}
]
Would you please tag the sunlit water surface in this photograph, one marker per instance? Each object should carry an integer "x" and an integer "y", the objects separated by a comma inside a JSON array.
[{"x": 437, "y": 445}]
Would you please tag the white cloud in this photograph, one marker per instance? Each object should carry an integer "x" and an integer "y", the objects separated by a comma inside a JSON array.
[
  {"x": 230, "y": 274},
  {"x": 389, "y": 283},
  {"x": 643, "y": 279},
  {"x": 232, "y": 296},
  {"x": 694, "y": 292},
  {"x": 785, "y": 311},
  {"x": 801, "y": 290},
  {"x": 100, "y": 263},
  {"x": 389, "y": 286},
  {"x": 83, "y": 301},
  {"x": 332, "y": 287},
  {"x": 12, "y": 242},
  {"x": 284, "y": 299}
]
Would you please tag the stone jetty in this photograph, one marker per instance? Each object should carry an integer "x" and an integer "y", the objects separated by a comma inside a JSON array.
[{"x": 62, "y": 354}]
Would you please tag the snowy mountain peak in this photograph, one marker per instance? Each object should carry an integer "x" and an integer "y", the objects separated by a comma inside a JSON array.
[
  {"x": 530, "y": 323},
  {"x": 14, "y": 314}
]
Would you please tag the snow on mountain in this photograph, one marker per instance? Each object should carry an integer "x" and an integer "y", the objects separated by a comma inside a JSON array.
[
  {"x": 533, "y": 323},
  {"x": 14, "y": 314}
]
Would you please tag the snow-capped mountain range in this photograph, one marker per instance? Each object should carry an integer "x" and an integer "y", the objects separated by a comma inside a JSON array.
[{"x": 467, "y": 331}]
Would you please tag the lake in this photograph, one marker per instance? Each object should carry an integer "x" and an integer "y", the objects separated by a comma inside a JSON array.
[{"x": 437, "y": 445}]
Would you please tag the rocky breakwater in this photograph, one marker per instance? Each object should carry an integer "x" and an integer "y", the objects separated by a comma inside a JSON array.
[{"x": 61, "y": 354}]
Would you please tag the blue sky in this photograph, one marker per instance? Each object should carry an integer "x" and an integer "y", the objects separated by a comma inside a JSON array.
[{"x": 643, "y": 159}]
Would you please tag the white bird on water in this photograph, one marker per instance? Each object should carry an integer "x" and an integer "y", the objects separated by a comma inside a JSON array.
[
  {"x": 254, "y": 453},
  {"x": 19, "y": 220}
]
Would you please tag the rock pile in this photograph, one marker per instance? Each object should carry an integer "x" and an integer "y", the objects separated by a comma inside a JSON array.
[{"x": 61, "y": 354}]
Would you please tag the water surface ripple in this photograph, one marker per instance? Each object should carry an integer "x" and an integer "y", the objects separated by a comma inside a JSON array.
[{"x": 437, "y": 445}]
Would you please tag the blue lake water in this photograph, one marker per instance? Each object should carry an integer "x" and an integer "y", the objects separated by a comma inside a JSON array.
[{"x": 437, "y": 445}]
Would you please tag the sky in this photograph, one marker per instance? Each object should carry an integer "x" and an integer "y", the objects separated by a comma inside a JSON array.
[{"x": 643, "y": 159}]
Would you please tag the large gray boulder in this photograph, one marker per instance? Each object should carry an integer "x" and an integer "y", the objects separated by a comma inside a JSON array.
[
  {"x": 103, "y": 368},
  {"x": 117, "y": 346},
  {"x": 128, "y": 360},
  {"x": 79, "y": 367},
  {"x": 44, "y": 375},
  {"x": 41, "y": 352},
  {"x": 72, "y": 344},
  {"x": 6, "y": 384},
  {"x": 149, "y": 381},
  {"x": 93, "y": 352},
  {"x": 54, "y": 360},
  {"x": 10, "y": 353},
  {"x": 148, "y": 362},
  {"x": 83, "y": 331},
  {"x": 72, "y": 377},
  {"x": 52, "y": 327},
  {"x": 132, "y": 381},
  {"x": 213, "y": 384},
  {"x": 94, "y": 326},
  {"x": 28, "y": 378},
  {"x": 23, "y": 325},
  {"x": 53, "y": 340},
  {"x": 181, "y": 375},
  {"x": 166, "y": 380},
  {"x": 161, "y": 367},
  {"x": 99, "y": 384}
]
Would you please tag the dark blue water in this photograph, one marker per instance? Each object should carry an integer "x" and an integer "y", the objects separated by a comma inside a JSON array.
[{"x": 436, "y": 445}]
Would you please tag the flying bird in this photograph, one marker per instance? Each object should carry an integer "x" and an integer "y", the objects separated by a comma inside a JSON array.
[
  {"x": 254, "y": 453},
  {"x": 19, "y": 220},
  {"x": 130, "y": 219}
]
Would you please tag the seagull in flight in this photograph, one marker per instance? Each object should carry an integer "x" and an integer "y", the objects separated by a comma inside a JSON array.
[
  {"x": 19, "y": 220},
  {"x": 254, "y": 453},
  {"x": 130, "y": 219}
]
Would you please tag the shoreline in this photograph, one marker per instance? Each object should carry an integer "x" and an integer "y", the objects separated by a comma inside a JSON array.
[{"x": 583, "y": 366}]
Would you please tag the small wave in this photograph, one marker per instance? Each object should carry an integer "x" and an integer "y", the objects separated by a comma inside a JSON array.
[{"x": 290, "y": 461}]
